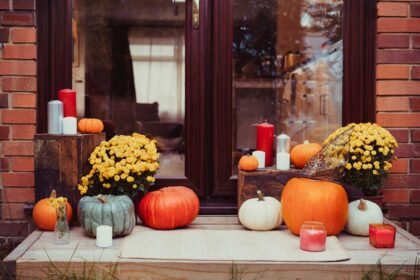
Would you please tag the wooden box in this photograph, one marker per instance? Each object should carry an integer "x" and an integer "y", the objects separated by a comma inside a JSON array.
[
  {"x": 269, "y": 180},
  {"x": 60, "y": 162}
]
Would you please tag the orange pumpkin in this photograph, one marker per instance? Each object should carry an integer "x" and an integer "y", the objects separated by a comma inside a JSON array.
[
  {"x": 314, "y": 200},
  {"x": 302, "y": 153},
  {"x": 169, "y": 208},
  {"x": 248, "y": 163},
  {"x": 90, "y": 125},
  {"x": 45, "y": 216}
]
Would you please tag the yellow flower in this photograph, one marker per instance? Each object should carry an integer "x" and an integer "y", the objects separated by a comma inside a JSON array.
[
  {"x": 348, "y": 166},
  {"x": 353, "y": 157},
  {"x": 134, "y": 186},
  {"x": 150, "y": 179},
  {"x": 116, "y": 178}
]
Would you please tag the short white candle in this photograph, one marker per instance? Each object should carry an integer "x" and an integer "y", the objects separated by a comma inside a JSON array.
[
  {"x": 104, "y": 236},
  {"x": 69, "y": 126},
  {"x": 283, "y": 161},
  {"x": 260, "y": 155},
  {"x": 55, "y": 117}
]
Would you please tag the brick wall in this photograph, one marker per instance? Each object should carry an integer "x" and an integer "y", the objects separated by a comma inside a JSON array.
[
  {"x": 398, "y": 104},
  {"x": 17, "y": 117}
]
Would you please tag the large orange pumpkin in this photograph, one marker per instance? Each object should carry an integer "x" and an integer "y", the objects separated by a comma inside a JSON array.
[
  {"x": 90, "y": 125},
  {"x": 302, "y": 153},
  {"x": 45, "y": 216},
  {"x": 248, "y": 163},
  {"x": 169, "y": 208},
  {"x": 314, "y": 200}
]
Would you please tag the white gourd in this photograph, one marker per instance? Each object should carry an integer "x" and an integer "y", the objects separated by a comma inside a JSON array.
[
  {"x": 262, "y": 213},
  {"x": 361, "y": 214}
]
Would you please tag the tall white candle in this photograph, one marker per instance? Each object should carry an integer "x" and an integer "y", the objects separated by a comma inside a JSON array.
[
  {"x": 283, "y": 161},
  {"x": 260, "y": 155},
  {"x": 69, "y": 126},
  {"x": 55, "y": 117},
  {"x": 104, "y": 236},
  {"x": 282, "y": 143}
]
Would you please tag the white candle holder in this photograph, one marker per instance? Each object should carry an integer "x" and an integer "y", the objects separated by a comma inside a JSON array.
[
  {"x": 260, "y": 155},
  {"x": 104, "y": 236}
]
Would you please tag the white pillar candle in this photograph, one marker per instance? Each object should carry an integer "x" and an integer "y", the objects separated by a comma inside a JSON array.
[
  {"x": 55, "y": 117},
  {"x": 104, "y": 236},
  {"x": 283, "y": 161},
  {"x": 69, "y": 126},
  {"x": 260, "y": 155}
]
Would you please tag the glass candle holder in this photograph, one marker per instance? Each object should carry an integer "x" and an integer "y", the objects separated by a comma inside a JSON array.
[
  {"x": 382, "y": 235},
  {"x": 313, "y": 237},
  {"x": 62, "y": 230}
]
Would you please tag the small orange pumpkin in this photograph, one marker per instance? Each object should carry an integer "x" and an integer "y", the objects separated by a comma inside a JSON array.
[
  {"x": 87, "y": 125},
  {"x": 248, "y": 163},
  {"x": 302, "y": 153},
  {"x": 305, "y": 200},
  {"x": 45, "y": 216}
]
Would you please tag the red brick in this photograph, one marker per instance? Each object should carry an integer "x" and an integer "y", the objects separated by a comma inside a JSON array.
[
  {"x": 28, "y": 5},
  {"x": 22, "y": 164},
  {"x": 415, "y": 40},
  {"x": 392, "y": 104},
  {"x": 4, "y": 164},
  {"x": 415, "y": 73},
  {"x": 13, "y": 211},
  {"x": 18, "y": 148},
  {"x": 4, "y": 132},
  {"x": 393, "y": 41},
  {"x": 4, "y": 100},
  {"x": 414, "y": 227},
  {"x": 19, "y": 52},
  {"x": 4, "y": 5},
  {"x": 402, "y": 181},
  {"x": 398, "y": 119},
  {"x": 392, "y": 72},
  {"x": 398, "y": 87},
  {"x": 399, "y": 166},
  {"x": 415, "y": 10},
  {"x": 392, "y": 9},
  {"x": 23, "y": 35},
  {"x": 408, "y": 150},
  {"x": 398, "y": 25},
  {"x": 16, "y": 67},
  {"x": 415, "y": 104},
  {"x": 14, "y": 228},
  {"x": 24, "y": 100},
  {"x": 401, "y": 135},
  {"x": 4, "y": 35},
  {"x": 23, "y": 132},
  {"x": 26, "y": 195},
  {"x": 415, "y": 135},
  {"x": 19, "y": 83},
  {"x": 18, "y": 19},
  {"x": 19, "y": 116},
  {"x": 403, "y": 210},
  {"x": 415, "y": 166},
  {"x": 18, "y": 179},
  {"x": 415, "y": 196},
  {"x": 398, "y": 56},
  {"x": 396, "y": 195}
]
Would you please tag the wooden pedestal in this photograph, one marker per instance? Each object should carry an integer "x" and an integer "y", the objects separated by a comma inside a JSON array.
[{"x": 60, "y": 162}]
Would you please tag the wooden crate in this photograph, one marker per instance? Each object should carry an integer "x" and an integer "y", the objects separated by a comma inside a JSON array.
[{"x": 60, "y": 161}]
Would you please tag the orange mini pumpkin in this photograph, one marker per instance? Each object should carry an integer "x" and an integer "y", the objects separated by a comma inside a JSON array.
[
  {"x": 248, "y": 163},
  {"x": 90, "y": 125},
  {"x": 45, "y": 216},
  {"x": 305, "y": 200},
  {"x": 302, "y": 153}
]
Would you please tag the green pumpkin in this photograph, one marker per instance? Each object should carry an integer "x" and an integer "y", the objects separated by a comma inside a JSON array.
[{"x": 116, "y": 211}]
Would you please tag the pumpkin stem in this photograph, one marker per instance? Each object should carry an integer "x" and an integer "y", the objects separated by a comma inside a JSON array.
[
  {"x": 362, "y": 205},
  {"x": 306, "y": 142},
  {"x": 102, "y": 198},
  {"x": 53, "y": 194},
  {"x": 260, "y": 195}
]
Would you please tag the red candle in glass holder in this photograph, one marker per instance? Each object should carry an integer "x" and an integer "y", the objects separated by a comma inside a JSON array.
[
  {"x": 265, "y": 139},
  {"x": 68, "y": 97},
  {"x": 313, "y": 237},
  {"x": 382, "y": 235}
]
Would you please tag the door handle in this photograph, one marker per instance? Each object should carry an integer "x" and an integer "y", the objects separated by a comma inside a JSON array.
[{"x": 195, "y": 14}]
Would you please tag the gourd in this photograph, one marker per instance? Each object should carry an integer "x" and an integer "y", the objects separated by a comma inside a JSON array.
[
  {"x": 262, "y": 213},
  {"x": 361, "y": 214},
  {"x": 116, "y": 211},
  {"x": 248, "y": 163},
  {"x": 305, "y": 200},
  {"x": 87, "y": 125},
  {"x": 169, "y": 208},
  {"x": 45, "y": 216},
  {"x": 302, "y": 153}
]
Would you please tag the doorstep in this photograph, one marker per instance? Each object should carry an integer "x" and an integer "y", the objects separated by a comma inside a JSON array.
[{"x": 31, "y": 258}]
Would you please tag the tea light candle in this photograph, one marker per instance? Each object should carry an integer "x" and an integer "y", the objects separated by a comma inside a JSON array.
[
  {"x": 382, "y": 235},
  {"x": 313, "y": 237},
  {"x": 55, "y": 117},
  {"x": 283, "y": 161},
  {"x": 104, "y": 236},
  {"x": 69, "y": 126},
  {"x": 260, "y": 155}
]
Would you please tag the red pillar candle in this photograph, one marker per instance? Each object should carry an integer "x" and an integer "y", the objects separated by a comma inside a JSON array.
[
  {"x": 382, "y": 235},
  {"x": 265, "y": 138},
  {"x": 68, "y": 97}
]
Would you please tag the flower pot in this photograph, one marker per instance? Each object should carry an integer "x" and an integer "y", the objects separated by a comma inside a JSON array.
[{"x": 378, "y": 199}]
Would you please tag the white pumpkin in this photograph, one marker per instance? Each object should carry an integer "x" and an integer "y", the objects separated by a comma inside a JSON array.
[
  {"x": 262, "y": 213},
  {"x": 361, "y": 214}
]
